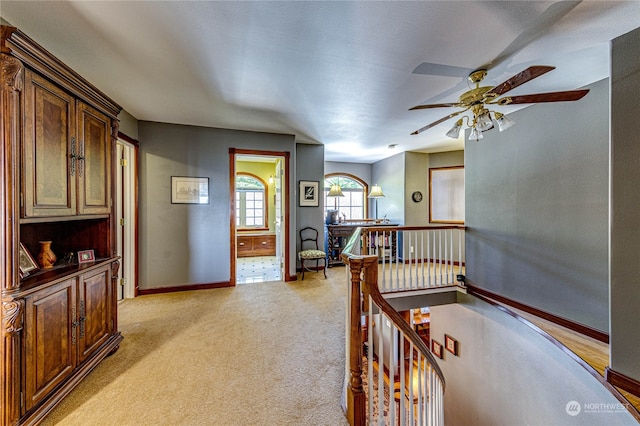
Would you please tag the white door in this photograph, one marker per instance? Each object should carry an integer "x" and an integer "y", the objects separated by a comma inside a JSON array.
[{"x": 126, "y": 218}]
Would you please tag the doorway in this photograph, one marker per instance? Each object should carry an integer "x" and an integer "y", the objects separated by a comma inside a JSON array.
[
  {"x": 259, "y": 200},
  {"x": 126, "y": 217}
]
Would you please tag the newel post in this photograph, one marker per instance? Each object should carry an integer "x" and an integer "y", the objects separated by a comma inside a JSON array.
[{"x": 356, "y": 411}]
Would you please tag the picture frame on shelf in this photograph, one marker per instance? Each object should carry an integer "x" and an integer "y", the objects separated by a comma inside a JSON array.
[
  {"x": 27, "y": 263},
  {"x": 86, "y": 256},
  {"x": 189, "y": 190},
  {"x": 436, "y": 348},
  {"x": 308, "y": 193},
  {"x": 451, "y": 344}
]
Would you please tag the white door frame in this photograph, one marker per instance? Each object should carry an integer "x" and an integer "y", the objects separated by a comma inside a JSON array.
[{"x": 126, "y": 220}]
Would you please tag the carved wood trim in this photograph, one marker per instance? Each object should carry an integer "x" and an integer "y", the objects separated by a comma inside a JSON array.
[
  {"x": 11, "y": 78},
  {"x": 12, "y": 70},
  {"x": 12, "y": 321},
  {"x": 12, "y": 316}
]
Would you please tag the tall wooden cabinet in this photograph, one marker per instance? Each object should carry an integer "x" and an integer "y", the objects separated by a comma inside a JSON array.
[{"x": 56, "y": 173}]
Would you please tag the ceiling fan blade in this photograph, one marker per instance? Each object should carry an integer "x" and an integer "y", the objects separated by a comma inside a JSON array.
[
  {"x": 520, "y": 78},
  {"x": 570, "y": 95},
  {"x": 435, "y": 123},
  {"x": 430, "y": 68},
  {"x": 434, "y": 106}
]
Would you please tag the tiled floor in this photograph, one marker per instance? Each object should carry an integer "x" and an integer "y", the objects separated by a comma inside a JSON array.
[{"x": 257, "y": 269}]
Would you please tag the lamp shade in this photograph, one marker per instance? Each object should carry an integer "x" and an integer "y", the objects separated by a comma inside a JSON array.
[
  {"x": 376, "y": 192},
  {"x": 335, "y": 191}
]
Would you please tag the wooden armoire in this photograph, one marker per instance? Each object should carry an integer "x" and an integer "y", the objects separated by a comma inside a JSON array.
[{"x": 57, "y": 168}]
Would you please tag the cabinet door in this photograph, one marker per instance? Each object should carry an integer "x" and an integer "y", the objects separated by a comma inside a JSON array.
[
  {"x": 95, "y": 311},
  {"x": 50, "y": 340},
  {"x": 48, "y": 172},
  {"x": 94, "y": 167}
]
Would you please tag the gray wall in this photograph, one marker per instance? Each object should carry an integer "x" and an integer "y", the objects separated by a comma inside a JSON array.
[
  {"x": 625, "y": 199},
  {"x": 508, "y": 374},
  {"x": 128, "y": 124},
  {"x": 361, "y": 170},
  {"x": 187, "y": 243},
  {"x": 537, "y": 209},
  {"x": 417, "y": 167},
  {"x": 309, "y": 166},
  {"x": 389, "y": 174}
]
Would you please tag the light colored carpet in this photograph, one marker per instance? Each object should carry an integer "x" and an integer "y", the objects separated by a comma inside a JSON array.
[{"x": 257, "y": 354}]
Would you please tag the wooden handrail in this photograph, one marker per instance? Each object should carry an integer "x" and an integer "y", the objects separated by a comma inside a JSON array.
[
  {"x": 370, "y": 288},
  {"x": 364, "y": 281}
]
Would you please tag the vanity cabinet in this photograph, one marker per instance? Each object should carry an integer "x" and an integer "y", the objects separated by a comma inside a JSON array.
[
  {"x": 57, "y": 163},
  {"x": 256, "y": 245}
]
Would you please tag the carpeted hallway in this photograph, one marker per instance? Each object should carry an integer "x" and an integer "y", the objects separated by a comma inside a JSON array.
[{"x": 257, "y": 354}]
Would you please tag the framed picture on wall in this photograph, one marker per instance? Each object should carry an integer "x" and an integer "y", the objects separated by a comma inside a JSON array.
[
  {"x": 189, "y": 190},
  {"x": 446, "y": 195},
  {"x": 308, "y": 193},
  {"x": 451, "y": 344},
  {"x": 436, "y": 348}
]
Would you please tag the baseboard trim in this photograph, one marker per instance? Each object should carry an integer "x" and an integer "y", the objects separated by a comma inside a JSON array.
[
  {"x": 571, "y": 325},
  {"x": 186, "y": 287},
  {"x": 622, "y": 381}
]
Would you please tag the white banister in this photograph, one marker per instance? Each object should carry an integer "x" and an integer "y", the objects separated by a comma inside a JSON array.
[{"x": 415, "y": 258}]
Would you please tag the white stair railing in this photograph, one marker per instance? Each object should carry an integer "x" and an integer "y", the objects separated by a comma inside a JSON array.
[
  {"x": 402, "y": 375},
  {"x": 413, "y": 258}
]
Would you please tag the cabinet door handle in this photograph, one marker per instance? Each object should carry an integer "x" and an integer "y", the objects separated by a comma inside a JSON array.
[
  {"x": 82, "y": 319},
  {"x": 264, "y": 242},
  {"x": 240, "y": 244},
  {"x": 73, "y": 155},
  {"x": 81, "y": 158}
]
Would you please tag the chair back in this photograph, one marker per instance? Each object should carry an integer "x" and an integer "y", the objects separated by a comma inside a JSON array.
[{"x": 309, "y": 239}]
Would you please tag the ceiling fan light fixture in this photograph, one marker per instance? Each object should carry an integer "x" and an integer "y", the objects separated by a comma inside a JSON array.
[
  {"x": 484, "y": 122},
  {"x": 503, "y": 121},
  {"x": 475, "y": 134},
  {"x": 454, "y": 133}
]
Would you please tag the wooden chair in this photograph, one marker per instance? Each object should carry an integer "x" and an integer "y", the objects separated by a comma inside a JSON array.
[{"x": 310, "y": 250}]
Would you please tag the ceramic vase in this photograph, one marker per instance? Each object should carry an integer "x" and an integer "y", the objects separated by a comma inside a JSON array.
[{"x": 46, "y": 257}]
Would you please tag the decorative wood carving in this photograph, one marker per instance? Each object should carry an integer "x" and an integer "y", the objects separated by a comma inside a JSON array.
[
  {"x": 12, "y": 316},
  {"x": 12, "y": 321},
  {"x": 11, "y": 72}
]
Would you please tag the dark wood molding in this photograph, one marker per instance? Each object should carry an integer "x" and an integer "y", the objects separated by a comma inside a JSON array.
[
  {"x": 571, "y": 325},
  {"x": 186, "y": 287},
  {"x": 128, "y": 139},
  {"x": 622, "y": 381},
  {"x": 286, "y": 155}
]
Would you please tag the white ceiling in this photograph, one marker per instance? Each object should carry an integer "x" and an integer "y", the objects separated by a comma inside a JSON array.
[{"x": 339, "y": 73}]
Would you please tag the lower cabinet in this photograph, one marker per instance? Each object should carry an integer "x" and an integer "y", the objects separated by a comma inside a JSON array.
[
  {"x": 256, "y": 245},
  {"x": 65, "y": 324},
  {"x": 50, "y": 340}
]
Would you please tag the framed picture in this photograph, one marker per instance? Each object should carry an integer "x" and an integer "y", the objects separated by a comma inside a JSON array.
[
  {"x": 436, "y": 348},
  {"x": 308, "y": 193},
  {"x": 86, "y": 256},
  {"x": 451, "y": 344},
  {"x": 28, "y": 264},
  {"x": 446, "y": 195},
  {"x": 189, "y": 190}
]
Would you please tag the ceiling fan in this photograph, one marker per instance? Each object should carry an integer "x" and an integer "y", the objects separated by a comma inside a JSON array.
[{"x": 479, "y": 99}]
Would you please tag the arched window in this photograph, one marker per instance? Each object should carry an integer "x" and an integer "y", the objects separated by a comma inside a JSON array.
[
  {"x": 353, "y": 205},
  {"x": 251, "y": 196}
]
